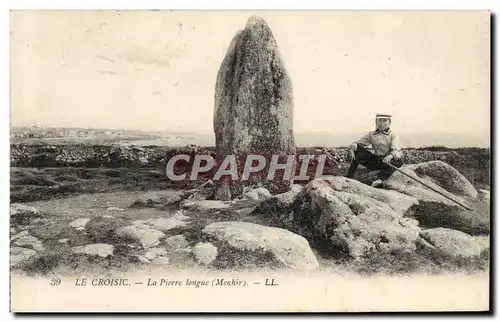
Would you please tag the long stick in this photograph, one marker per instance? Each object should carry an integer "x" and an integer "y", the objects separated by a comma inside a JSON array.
[{"x": 426, "y": 185}]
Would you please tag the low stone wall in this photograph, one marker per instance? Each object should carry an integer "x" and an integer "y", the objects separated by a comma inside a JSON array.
[{"x": 154, "y": 156}]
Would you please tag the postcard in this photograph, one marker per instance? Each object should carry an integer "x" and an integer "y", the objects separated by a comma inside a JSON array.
[{"x": 249, "y": 161}]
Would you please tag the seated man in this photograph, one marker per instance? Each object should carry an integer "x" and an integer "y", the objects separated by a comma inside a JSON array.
[{"x": 386, "y": 150}]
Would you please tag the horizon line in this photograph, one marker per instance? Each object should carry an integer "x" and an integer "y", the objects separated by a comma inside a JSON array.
[{"x": 212, "y": 132}]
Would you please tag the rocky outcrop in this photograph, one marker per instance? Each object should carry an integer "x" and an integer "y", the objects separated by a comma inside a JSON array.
[
  {"x": 351, "y": 220},
  {"x": 253, "y": 107},
  {"x": 263, "y": 244},
  {"x": 452, "y": 243},
  {"x": 434, "y": 210},
  {"x": 438, "y": 175}
]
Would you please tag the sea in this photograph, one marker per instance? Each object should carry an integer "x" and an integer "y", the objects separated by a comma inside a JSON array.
[{"x": 335, "y": 140}]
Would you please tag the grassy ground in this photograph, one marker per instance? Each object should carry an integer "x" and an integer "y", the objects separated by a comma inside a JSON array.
[{"x": 65, "y": 194}]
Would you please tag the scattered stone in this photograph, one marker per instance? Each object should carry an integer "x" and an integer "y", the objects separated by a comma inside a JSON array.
[
  {"x": 180, "y": 215},
  {"x": 289, "y": 249},
  {"x": 155, "y": 252},
  {"x": 114, "y": 209},
  {"x": 17, "y": 209},
  {"x": 22, "y": 234},
  {"x": 79, "y": 223},
  {"x": 139, "y": 204},
  {"x": 20, "y": 254},
  {"x": 283, "y": 201},
  {"x": 452, "y": 243},
  {"x": 398, "y": 202},
  {"x": 176, "y": 242},
  {"x": 63, "y": 240},
  {"x": 205, "y": 253},
  {"x": 32, "y": 242},
  {"x": 146, "y": 236},
  {"x": 102, "y": 250},
  {"x": 258, "y": 194},
  {"x": 162, "y": 260},
  {"x": 13, "y": 231},
  {"x": 165, "y": 224},
  {"x": 204, "y": 204},
  {"x": 152, "y": 254}
]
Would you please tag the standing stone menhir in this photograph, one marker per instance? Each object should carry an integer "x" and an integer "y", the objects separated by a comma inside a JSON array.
[{"x": 253, "y": 107}]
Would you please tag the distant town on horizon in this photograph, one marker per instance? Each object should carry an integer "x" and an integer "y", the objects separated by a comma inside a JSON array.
[{"x": 303, "y": 138}]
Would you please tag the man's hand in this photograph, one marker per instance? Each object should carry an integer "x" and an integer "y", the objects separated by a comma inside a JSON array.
[
  {"x": 388, "y": 159},
  {"x": 351, "y": 156}
]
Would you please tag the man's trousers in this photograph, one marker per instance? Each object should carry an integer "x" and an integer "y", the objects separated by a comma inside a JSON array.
[{"x": 372, "y": 162}]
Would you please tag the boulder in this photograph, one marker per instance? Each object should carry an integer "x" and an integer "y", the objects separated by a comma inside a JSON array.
[
  {"x": 21, "y": 214},
  {"x": 165, "y": 224},
  {"x": 258, "y": 194},
  {"x": 253, "y": 108},
  {"x": 268, "y": 244},
  {"x": 80, "y": 222},
  {"x": 101, "y": 250},
  {"x": 281, "y": 203},
  {"x": 155, "y": 255},
  {"x": 452, "y": 243},
  {"x": 176, "y": 242},
  {"x": 349, "y": 221},
  {"x": 17, "y": 209},
  {"x": 434, "y": 210},
  {"x": 182, "y": 257},
  {"x": 204, "y": 204},
  {"x": 437, "y": 174},
  {"x": 146, "y": 236},
  {"x": 20, "y": 254},
  {"x": 23, "y": 240},
  {"x": 205, "y": 253}
]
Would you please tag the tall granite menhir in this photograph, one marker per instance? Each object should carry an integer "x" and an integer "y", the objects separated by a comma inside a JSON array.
[{"x": 253, "y": 108}]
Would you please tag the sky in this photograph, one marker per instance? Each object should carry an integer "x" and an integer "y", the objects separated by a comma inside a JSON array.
[{"x": 156, "y": 70}]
